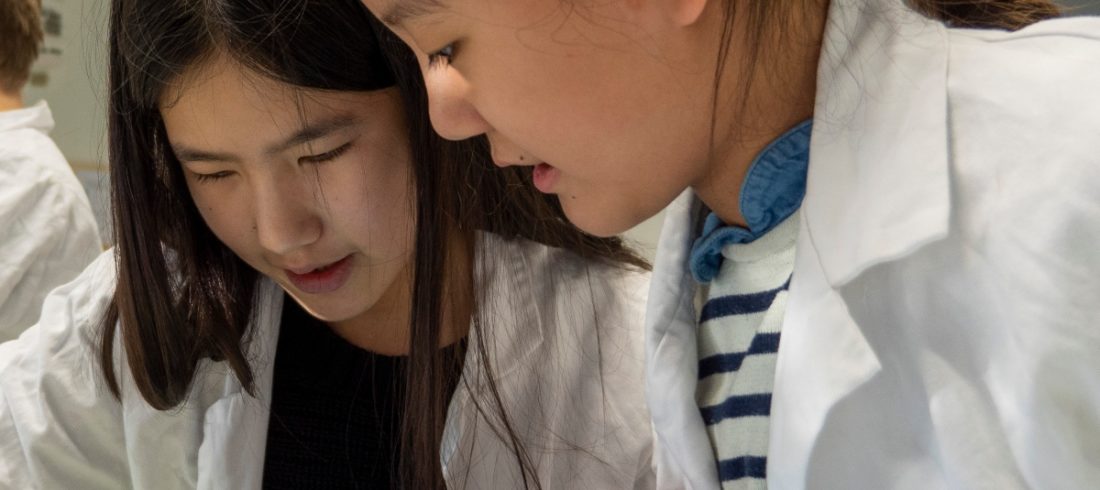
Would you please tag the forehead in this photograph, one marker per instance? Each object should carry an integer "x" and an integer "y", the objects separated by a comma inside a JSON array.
[
  {"x": 222, "y": 92},
  {"x": 220, "y": 81},
  {"x": 225, "y": 104},
  {"x": 399, "y": 12},
  {"x": 401, "y": 15}
]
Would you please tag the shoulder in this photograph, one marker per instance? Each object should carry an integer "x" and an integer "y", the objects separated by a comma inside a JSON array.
[
  {"x": 29, "y": 151},
  {"x": 1024, "y": 122},
  {"x": 33, "y": 168},
  {"x": 73, "y": 308},
  {"x": 1024, "y": 125},
  {"x": 584, "y": 318},
  {"x": 1035, "y": 86},
  {"x": 567, "y": 342},
  {"x": 558, "y": 278},
  {"x": 51, "y": 392},
  {"x": 59, "y": 351}
]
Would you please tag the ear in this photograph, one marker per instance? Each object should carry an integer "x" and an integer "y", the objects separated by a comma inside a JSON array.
[
  {"x": 684, "y": 13},
  {"x": 679, "y": 13}
]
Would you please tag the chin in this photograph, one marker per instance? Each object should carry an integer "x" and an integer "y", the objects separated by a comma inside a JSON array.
[
  {"x": 328, "y": 313},
  {"x": 599, "y": 221}
]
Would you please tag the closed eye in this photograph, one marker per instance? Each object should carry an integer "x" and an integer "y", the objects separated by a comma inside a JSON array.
[
  {"x": 326, "y": 156},
  {"x": 212, "y": 177}
]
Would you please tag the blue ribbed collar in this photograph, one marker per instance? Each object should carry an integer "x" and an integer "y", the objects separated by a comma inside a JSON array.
[{"x": 773, "y": 190}]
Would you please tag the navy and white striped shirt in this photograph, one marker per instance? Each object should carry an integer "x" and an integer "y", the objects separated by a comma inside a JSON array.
[
  {"x": 744, "y": 274},
  {"x": 739, "y": 329}
]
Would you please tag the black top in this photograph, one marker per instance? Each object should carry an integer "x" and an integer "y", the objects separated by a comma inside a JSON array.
[{"x": 333, "y": 414}]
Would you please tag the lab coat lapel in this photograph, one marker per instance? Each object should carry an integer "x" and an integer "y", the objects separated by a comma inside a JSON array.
[
  {"x": 878, "y": 186},
  {"x": 684, "y": 453},
  {"x": 235, "y": 426},
  {"x": 877, "y": 190}
]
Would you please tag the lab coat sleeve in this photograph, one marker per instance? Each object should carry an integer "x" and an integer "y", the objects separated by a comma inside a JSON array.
[
  {"x": 59, "y": 425},
  {"x": 49, "y": 237}
]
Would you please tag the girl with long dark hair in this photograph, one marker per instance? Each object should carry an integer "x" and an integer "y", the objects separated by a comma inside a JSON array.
[
  {"x": 310, "y": 289},
  {"x": 882, "y": 269}
]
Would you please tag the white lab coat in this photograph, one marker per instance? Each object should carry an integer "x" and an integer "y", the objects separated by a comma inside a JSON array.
[
  {"x": 48, "y": 233},
  {"x": 581, "y": 414},
  {"x": 943, "y": 323}
]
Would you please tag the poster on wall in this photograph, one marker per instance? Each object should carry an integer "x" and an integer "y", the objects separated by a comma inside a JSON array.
[{"x": 49, "y": 63}]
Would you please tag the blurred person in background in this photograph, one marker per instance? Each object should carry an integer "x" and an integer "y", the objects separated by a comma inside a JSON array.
[{"x": 48, "y": 233}]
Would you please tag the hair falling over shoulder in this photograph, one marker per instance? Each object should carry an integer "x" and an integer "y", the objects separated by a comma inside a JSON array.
[
  {"x": 183, "y": 297},
  {"x": 988, "y": 14}
]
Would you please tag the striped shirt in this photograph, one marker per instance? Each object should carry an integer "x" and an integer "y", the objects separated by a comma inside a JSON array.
[
  {"x": 744, "y": 273},
  {"x": 739, "y": 328}
]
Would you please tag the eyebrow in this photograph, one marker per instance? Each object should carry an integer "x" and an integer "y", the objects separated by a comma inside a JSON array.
[
  {"x": 401, "y": 11},
  {"x": 308, "y": 133}
]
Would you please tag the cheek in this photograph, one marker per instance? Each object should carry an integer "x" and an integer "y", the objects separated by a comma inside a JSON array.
[
  {"x": 373, "y": 204},
  {"x": 230, "y": 221},
  {"x": 580, "y": 124}
]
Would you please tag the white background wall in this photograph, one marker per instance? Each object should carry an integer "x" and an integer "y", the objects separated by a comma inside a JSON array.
[
  {"x": 71, "y": 77},
  {"x": 75, "y": 82},
  {"x": 74, "y": 85}
]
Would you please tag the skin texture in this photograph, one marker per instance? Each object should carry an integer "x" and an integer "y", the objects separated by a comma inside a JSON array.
[
  {"x": 618, "y": 96},
  {"x": 279, "y": 208},
  {"x": 10, "y": 101}
]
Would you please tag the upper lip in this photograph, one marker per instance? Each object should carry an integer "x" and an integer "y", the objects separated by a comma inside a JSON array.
[
  {"x": 306, "y": 269},
  {"x": 501, "y": 163}
]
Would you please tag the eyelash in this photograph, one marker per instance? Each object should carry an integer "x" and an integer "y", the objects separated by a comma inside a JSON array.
[
  {"x": 444, "y": 56},
  {"x": 327, "y": 156},
  {"x": 214, "y": 176},
  {"x": 314, "y": 159}
]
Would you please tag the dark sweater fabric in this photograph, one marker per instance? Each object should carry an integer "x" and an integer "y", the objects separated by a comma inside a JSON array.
[{"x": 334, "y": 410}]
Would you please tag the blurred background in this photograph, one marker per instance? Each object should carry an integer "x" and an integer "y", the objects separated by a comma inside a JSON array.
[{"x": 71, "y": 74}]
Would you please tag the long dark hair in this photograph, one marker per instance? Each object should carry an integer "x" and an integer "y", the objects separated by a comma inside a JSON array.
[
  {"x": 182, "y": 296},
  {"x": 988, "y": 14}
]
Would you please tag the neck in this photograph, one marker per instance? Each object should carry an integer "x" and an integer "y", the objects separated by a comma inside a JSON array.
[
  {"x": 385, "y": 328},
  {"x": 779, "y": 94},
  {"x": 10, "y": 101}
]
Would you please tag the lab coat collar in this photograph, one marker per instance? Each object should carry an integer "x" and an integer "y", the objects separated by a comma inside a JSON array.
[
  {"x": 37, "y": 116},
  {"x": 235, "y": 426},
  {"x": 877, "y": 186},
  {"x": 684, "y": 456},
  {"x": 878, "y": 189}
]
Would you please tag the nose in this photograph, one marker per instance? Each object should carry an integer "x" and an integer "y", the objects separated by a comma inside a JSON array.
[
  {"x": 285, "y": 221},
  {"x": 505, "y": 152},
  {"x": 452, "y": 114}
]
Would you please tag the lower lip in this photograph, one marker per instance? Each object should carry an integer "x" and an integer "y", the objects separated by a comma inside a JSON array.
[
  {"x": 325, "y": 280},
  {"x": 545, "y": 176}
]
